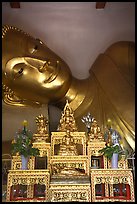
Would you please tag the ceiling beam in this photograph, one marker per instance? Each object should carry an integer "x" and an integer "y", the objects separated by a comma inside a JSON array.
[
  {"x": 15, "y": 4},
  {"x": 100, "y": 5}
]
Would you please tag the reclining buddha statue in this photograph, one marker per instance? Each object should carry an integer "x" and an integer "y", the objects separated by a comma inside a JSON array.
[{"x": 32, "y": 74}]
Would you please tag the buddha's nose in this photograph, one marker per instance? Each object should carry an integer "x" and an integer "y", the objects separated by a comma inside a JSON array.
[{"x": 46, "y": 67}]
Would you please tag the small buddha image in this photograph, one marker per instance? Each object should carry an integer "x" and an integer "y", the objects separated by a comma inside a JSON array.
[
  {"x": 95, "y": 131},
  {"x": 68, "y": 147},
  {"x": 42, "y": 123}
]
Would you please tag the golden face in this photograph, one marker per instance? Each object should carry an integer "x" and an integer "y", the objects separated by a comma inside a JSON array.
[{"x": 31, "y": 69}]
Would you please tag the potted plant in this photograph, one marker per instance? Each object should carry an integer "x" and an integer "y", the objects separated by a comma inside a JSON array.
[
  {"x": 113, "y": 153},
  {"x": 113, "y": 150},
  {"x": 23, "y": 145}
]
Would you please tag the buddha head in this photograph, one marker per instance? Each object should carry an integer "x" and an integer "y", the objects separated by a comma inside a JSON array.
[{"x": 30, "y": 69}]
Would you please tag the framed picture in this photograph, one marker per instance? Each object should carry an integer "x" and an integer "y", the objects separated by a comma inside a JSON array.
[
  {"x": 41, "y": 162},
  {"x": 96, "y": 162}
]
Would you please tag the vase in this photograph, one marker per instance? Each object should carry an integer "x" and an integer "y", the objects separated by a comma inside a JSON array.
[
  {"x": 24, "y": 163},
  {"x": 114, "y": 161}
]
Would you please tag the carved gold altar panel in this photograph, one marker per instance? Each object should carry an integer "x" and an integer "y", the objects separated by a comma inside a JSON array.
[
  {"x": 29, "y": 178},
  {"x": 79, "y": 138},
  {"x": 94, "y": 147},
  {"x": 122, "y": 163},
  {"x": 16, "y": 163},
  {"x": 40, "y": 138},
  {"x": 110, "y": 177},
  {"x": 70, "y": 192}
]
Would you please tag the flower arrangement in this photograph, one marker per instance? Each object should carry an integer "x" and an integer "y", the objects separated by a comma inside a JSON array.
[
  {"x": 113, "y": 145},
  {"x": 109, "y": 150},
  {"x": 22, "y": 143}
]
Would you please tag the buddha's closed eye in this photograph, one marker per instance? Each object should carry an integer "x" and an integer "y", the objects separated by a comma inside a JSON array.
[{"x": 18, "y": 70}]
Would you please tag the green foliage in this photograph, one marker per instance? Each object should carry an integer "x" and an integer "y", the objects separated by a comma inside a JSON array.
[
  {"x": 109, "y": 150},
  {"x": 23, "y": 144}
]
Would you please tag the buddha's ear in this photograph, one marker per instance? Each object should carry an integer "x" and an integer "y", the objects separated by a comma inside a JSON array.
[
  {"x": 34, "y": 63},
  {"x": 10, "y": 98}
]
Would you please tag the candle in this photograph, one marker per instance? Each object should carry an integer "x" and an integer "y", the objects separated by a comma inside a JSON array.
[{"x": 109, "y": 123}]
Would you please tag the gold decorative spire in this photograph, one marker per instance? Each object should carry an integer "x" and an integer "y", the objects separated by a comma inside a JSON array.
[{"x": 67, "y": 121}]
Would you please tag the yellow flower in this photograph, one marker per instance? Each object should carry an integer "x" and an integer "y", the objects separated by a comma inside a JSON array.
[
  {"x": 25, "y": 123},
  {"x": 13, "y": 141}
]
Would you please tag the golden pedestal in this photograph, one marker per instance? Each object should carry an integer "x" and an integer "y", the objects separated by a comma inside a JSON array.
[
  {"x": 70, "y": 189},
  {"x": 16, "y": 163},
  {"x": 29, "y": 178},
  {"x": 109, "y": 177}
]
